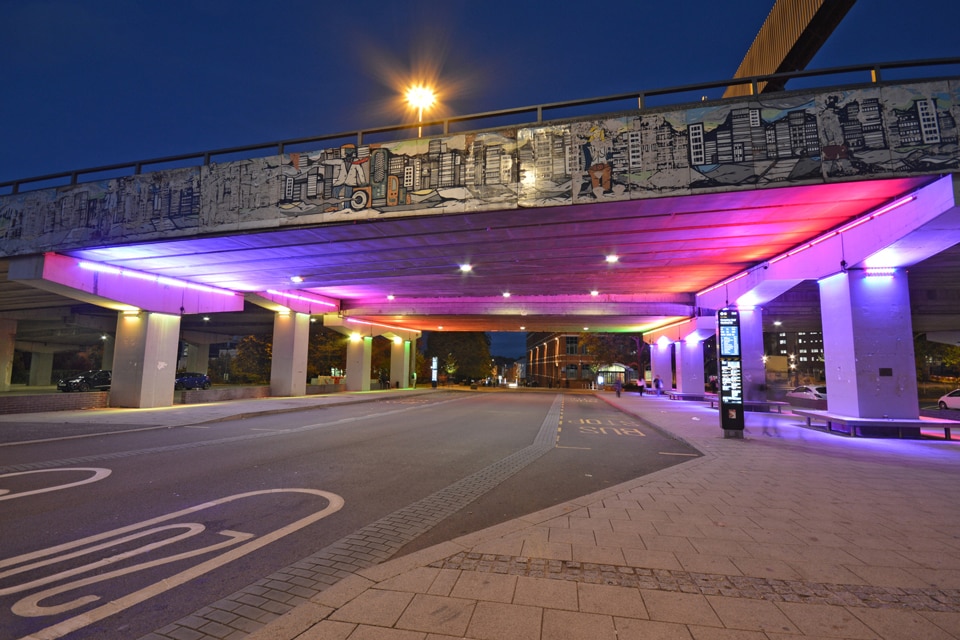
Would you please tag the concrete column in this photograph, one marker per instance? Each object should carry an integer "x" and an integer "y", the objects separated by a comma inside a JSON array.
[
  {"x": 412, "y": 365},
  {"x": 8, "y": 338},
  {"x": 197, "y": 358},
  {"x": 690, "y": 366},
  {"x": 868, "y": 345},
  {"x": 109, "y": 349},
  {"x": 145, "y": 360},
  {"x": 41, "y": 369},
  {"x": 400, "y": 363},
  {"x": 751, "y": 355},
  {"x": 359, "y": 352},
  {"x": 660, "y": 364},
  {"x": 288, "y": 365}
]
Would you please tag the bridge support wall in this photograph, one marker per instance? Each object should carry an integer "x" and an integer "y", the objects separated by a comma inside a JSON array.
[{"x": 359, "y": 354}]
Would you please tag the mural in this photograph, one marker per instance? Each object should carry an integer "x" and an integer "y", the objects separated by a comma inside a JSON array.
[{"x": 761, "y": 142}]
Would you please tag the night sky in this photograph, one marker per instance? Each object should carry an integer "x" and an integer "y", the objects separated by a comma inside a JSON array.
[{"x": 99, "y": 82}]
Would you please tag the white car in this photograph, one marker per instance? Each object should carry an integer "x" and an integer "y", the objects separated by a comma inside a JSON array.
[
  {"x": 809, "y": 392},
  {"x": 950, "y": 401}
]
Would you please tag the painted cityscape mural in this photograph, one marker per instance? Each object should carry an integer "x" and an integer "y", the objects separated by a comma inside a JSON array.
[{"x": 761, "y": 142}]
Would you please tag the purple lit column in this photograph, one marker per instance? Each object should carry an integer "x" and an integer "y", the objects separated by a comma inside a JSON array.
[{"x": 868, "y": 345}]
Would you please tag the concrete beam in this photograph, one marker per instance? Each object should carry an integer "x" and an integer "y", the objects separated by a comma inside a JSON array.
[
  {"x": 899, "y": 234},
  {"x": 118, "y": 289},
  {"x": 303, "y": 302}
]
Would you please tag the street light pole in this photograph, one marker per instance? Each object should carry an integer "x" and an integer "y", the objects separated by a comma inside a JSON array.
[{"x": 420, "y": 97}]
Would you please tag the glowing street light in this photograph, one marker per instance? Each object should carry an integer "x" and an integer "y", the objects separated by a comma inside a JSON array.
[{"x": 420, "y": 97}]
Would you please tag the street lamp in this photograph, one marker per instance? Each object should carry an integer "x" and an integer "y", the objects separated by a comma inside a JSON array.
[{"x": 420, "y": 97}]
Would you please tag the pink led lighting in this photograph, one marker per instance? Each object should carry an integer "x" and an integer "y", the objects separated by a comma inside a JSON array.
[
  {"x": 149, "y": 277},
  {"x": 296, "y": 296},
  {"x": 812, "y": 243},
  {"x": 385, "y": 326}
]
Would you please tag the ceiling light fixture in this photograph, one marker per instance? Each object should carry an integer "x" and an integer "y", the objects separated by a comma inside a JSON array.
[
  {"x": 506, "y": 294},
  {"x": 612, "y": 258},
  {"x": 594, "y": 293},
  {"x": 297, "y": 279},
  {"x": 466, "y": 268}
]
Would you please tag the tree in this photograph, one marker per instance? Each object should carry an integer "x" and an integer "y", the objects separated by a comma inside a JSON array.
[
  {"x": 470, "y": 350},
  {"x": 252, "y": 362},
  {"x": 609, "y": 348},
  {"x": 327, "y": 351}
]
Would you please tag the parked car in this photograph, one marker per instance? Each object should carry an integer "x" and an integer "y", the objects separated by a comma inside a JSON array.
[
  {"x": 809, "y": 392},
  {"x": 950, "y": 401},
  {"x": 192, "y": 380},
  {"x": 98, "y": 380}
]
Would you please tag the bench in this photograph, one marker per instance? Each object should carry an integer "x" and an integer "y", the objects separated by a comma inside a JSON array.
[
  {"x": 855, "y": 426},
  {"x": 677, "y": 395},
  {"x": 755, "y": 405}
]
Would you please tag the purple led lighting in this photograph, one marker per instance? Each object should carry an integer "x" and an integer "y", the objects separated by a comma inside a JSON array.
[
  {"x": 149, "y": 277},
  {"x": 296, "y": 296}
]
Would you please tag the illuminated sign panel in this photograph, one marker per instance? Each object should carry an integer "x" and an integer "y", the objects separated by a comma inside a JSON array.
[{"x": 731, "y": 373}]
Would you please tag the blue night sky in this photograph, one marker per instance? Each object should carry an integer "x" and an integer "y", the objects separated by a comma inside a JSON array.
[{"x": 99, "y": 82}]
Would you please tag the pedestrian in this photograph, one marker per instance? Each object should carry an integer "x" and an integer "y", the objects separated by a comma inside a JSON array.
[
  {"x": 658, "y": 384},
  {"x": 618, "y": 387}
]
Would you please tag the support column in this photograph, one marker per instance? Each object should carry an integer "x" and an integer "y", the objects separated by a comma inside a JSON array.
[
  {"x": 288, "y": 365},
  {"x": 8, "y": 337},
  {"x": 145, "y": 360},
  {"x": 660, "y": 364},
  {"x": 41, "y": 369},
  {"x": 400, "y": 363},
  {"x": 690, "y": 366},
  {"x": 751, "y": 355},
  {"x": 196, "y": 359},
  {"x": 359, "y": 351},
  {"x": 412, "y": 365},
  {"x": 868, "y": 345}
]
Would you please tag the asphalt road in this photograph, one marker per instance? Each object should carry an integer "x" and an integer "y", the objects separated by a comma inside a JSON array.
[{"x": 162, "y": 522}]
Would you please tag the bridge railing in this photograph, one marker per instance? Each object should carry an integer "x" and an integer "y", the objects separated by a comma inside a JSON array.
[{"x": 535, "y": 114}]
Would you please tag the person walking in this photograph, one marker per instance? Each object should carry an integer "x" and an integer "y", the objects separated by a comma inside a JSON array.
[
  {"x": 618, "y": 387},
  {"x": 658, "y": 384}
]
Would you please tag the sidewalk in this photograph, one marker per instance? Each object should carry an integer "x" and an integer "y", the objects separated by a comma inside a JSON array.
[{"x": 789, "y": 533}]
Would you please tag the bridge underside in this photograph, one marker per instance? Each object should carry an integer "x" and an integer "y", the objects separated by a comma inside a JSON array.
[{"x": 405, "y": 271}]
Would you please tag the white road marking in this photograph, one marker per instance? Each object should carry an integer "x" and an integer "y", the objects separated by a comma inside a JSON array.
[
  {"x": 98, "y": 474},
  {"x": 30, "y": 605}
]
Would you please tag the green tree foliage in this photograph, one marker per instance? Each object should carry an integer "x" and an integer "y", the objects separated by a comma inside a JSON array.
[
  {"x": 610, "y": 348},
  {"x": 470, "y": 350},
  {"x": 327, "y": 350},
  {"x": 252, "y": 362},
  {"x": 935, "y": 358}
]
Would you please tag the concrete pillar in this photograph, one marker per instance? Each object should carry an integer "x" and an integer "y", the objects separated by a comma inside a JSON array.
[
  {"x": 868, "y": 345},
  {"x": 751, "y": 355},
  {"x": 197, "y": 358},
  {"x": 145, "y": 360},
  {"x": 41, "y": 369},
  {"x": 109, "y": 349},
  {"x": 288, "y": 365},
  {"x": 412, "y": 371},
  {"x": 400, "y": 363},
  {"x": 690, "y": 366},
  {"x": 359, "y": 350},
  {"x": 8, "y": 338},
  {"x": 660, "y": 363}
]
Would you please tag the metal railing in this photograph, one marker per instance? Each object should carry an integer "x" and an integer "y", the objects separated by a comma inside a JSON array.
[{"x": 875, "y": 71}]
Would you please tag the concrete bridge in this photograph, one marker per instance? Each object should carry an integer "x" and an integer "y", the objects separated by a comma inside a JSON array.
[{"x": 648, "y": 219}]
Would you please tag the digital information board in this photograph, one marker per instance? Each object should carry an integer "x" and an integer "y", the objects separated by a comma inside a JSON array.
[{"x": 731, "y": 373}]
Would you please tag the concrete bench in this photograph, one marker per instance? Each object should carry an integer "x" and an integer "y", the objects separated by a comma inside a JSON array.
[
  {"x": 676, "y": 395},
  {"x": 756, "y": 405},
  {"x": 855, "y": 426}
]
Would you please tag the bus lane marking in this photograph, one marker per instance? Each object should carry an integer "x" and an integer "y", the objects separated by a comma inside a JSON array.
[
  {"x": 31, "y": 605},
  {"x": 98, "y": 474}
]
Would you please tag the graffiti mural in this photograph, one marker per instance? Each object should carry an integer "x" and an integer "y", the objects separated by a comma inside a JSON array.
[{"x": 759, "y": 142}]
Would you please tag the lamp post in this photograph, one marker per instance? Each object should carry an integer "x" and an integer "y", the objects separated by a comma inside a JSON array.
[{"x": 420, "y": 97}]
